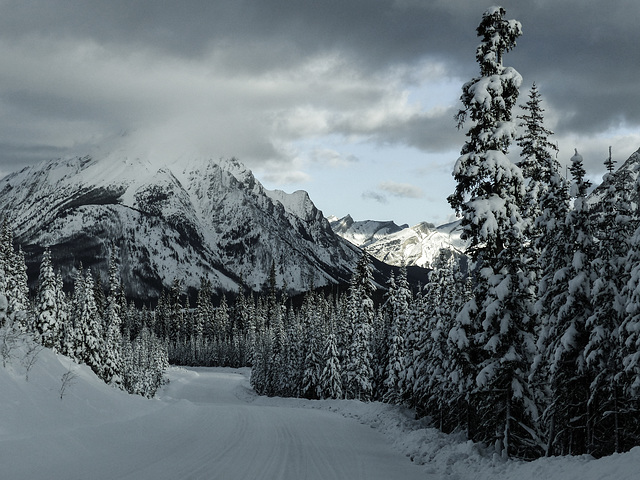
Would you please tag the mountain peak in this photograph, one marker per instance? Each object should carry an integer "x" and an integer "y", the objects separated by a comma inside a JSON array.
[
  {"x": 297, "y": 203},
  {"x": 362, "y": 233},
  {"x": 419, "y": 245},
  {"x": 188, "y": 219}
]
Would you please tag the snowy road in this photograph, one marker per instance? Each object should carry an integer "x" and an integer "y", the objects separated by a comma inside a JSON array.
[{"x": 207, "y": 424}]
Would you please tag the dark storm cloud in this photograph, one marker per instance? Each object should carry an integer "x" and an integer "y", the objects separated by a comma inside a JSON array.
[
  {"x": 584, "y": 55},
  {"x": 375, "y": 31},
  {"x": 244, "y": 74},
  {"x": 15, "y": 156},
  {"x": 427, "y": 132}
]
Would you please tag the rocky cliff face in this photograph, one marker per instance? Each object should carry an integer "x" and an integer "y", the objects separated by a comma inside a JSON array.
[{"x": 200, "y": 218}]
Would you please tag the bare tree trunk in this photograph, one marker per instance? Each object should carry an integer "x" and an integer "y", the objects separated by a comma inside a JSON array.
[
  {"x": 507, "y": 425},
  {"x": 551, "y": 434},
  {"x": 616, "y": 415}
]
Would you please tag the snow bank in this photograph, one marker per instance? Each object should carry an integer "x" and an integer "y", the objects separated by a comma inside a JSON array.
[
  {"x": 453, "y": 457},
  {"x": 55, "y": 394}
]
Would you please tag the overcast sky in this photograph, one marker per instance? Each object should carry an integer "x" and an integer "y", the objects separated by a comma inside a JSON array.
[{"x": 351, "y": 100}]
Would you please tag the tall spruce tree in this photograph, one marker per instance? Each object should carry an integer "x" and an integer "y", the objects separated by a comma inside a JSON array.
[
  {"x": 630, "y": 328},
  {"x": 537, "y": 160},
  {"x": 545, "y": 207},
  {"x": 111, "y": 355},
  {"x": 399, "y": 300},
  {"x": 331, "y": 377},
  {"x": 565, "y": 336},
  {"x": 487, "y": 183},
  {"x": 357, "y": 371},
  {"x": 613, "y": 231},
  {"x": 313, "y": 363},
  {"x": 629, "y": 342},
  {"x": 18, "y": 290},
  {"x": 89, "y": 327},
  {"x": 435, "y": 391},
  {"x": 490, "y": 193}
]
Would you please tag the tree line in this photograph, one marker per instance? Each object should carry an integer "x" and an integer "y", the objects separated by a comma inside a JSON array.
[{"x": 88, "y": 325}]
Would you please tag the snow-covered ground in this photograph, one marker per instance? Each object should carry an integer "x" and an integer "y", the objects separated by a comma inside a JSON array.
[{"x": 208, "y": 423}]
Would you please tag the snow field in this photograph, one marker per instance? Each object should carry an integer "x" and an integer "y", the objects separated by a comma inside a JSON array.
[
  {"x": 205, "y": 423},
  {"x": 208, "y": 423}
]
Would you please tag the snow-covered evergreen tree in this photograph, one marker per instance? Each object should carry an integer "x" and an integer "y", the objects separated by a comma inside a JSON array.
[
  {"x": 313, "y": 363},
  {"x": 145, "y": 360},
  {"x": 357, "y": 366},
  {"x": 435, "y": 391},
  {"x": 537, "y": 160},
  {"x": 276, "y": 373},
  {"x": 489, "y": 187},
  {"x": 427, "y": 374},
  {"x": 490, "y": 195},
  {"x": 203, "y": 320},
  {"x": 111, "y": 355},
  {"x": 18, "y": 289},
  {"x": 630, "y": 327},
  {"x": 221, "y": 320},
  {"x": 13, "y": 281},
  {"x": 399, "y": 300},
  {"x": 613, "y": 231},
  {"x": 67, "y": 335},
  {"x": 48, "y": 321},
  {"x": 331, "y": 377},
  {"x": 87, "y": 326},
  {"x": 564, "y": 336}
]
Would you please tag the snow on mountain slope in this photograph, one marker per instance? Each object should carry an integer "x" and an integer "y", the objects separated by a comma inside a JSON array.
[
  {"x": 363, "y": 233},
  {"x": 297, "y": 203},
  {"x": 191, "y": 219},
  {"x": 418, "y": 245}
]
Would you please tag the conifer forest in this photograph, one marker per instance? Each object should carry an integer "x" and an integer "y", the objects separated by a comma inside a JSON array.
[{"x": 533, "y": 348}]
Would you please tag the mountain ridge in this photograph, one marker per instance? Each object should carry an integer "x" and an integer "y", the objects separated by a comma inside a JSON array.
[
  {"x": 396, "y": 245},
  {"x": 200, "y": 218}
]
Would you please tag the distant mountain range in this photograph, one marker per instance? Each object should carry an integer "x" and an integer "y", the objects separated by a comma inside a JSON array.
[
  {"x": 197, "y": 218},
  {"x": 418, "y": 246}
]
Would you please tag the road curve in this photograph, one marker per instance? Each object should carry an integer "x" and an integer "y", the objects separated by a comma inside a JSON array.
[{"x": 205, "y": 424}]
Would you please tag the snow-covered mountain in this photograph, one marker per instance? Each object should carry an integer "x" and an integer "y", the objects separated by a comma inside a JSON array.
[
  {"x": 362, "y": 233},
  {"x": 418, "y": 245},
  {"x": 201, "y": 218}
]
